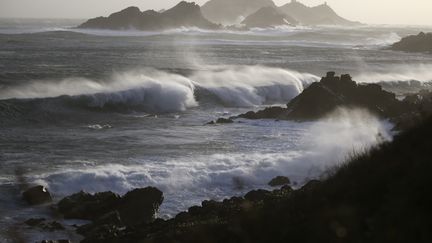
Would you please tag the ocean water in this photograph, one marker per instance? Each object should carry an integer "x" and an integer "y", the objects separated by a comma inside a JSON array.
[{"x": 103, "y": 110}]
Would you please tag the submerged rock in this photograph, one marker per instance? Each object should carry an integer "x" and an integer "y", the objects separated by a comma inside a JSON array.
[
  {"x": 37, "y": 195},
  {"x": 279, "y": 181},
  {"x": 221, "y": 121}
]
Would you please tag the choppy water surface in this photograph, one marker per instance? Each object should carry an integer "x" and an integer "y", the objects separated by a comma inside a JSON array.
[{"x": 106, "y": 110}]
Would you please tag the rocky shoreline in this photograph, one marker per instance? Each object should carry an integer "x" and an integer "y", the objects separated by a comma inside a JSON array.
[
  {"x": 382, "y": 195},
  {"x": 356, "y": 202}
]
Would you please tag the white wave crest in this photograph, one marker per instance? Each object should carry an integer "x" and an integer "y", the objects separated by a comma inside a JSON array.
[
  {"x": 396, "y": 73},
  {"x": 247, "y": 86},
  {"x": 187, "y": 180},
  {"x": 160, "y": 91}
]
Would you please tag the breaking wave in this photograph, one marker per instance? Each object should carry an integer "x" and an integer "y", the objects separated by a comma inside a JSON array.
[
  {"x": 325, "y": 144},
  {"x": 156, "y": 91}
]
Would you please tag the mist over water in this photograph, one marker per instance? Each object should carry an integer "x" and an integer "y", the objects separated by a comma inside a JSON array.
[{"x": 103, "y": 110}]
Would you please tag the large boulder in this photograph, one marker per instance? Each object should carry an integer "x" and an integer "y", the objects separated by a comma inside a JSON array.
[
  {"x": 37, "y": 195},
  {"x": 140, "y": 205}
]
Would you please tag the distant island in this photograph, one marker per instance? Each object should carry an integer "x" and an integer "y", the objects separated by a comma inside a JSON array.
[
  {"x": 319, "y": 15},
  {"x": 183, "y": 14},
  {"x": 214, "y": 14},
  {"x": 414, "y": 43}
]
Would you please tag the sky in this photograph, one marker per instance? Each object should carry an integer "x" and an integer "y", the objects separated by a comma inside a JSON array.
[{"x": 409, "y": 12}]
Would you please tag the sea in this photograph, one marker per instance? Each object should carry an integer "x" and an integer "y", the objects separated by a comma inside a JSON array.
[{"x": 100, "y": 110}]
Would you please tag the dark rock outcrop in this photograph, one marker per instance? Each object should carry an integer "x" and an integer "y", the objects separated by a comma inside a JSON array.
[
  {"x": 318, "y": 15},
  {"x": 137, "y": 206},
  {"x": 321, "y": 98},
  {"x": 183, "y": 14},
  {"x": 279, "y": 181},
  {"x": 232, "y": 11},
  {"x": 109, "y": 212},
  {"x": 37, "y": 195},
  {"x": 414, "y": 43},
  {"x": 268, "y": 17}
]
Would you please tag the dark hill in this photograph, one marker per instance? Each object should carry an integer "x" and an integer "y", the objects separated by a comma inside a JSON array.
[{"x": 183, "y": 14}]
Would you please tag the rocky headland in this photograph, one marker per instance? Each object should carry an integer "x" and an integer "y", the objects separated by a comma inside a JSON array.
[
  {"x": 332, "y": 92},
  {"x": 414, "y": 43}
]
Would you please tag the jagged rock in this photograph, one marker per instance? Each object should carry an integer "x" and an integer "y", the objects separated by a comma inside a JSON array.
[
  {"x": 183, "y": 14},
  {"x": 268, "y": 17},
  {"x": 83, "y": 205},
  {"x": 279, "y": 181},
  {"x": 321, "y": 98},
  {"x": 414, "y": 43},
  {"x": 37, "y": 195}
]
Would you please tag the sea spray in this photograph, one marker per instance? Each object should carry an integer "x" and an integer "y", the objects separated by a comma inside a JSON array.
[
  {"x": 159, "y": 92},
  {"x": 319, "y": 146}
]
